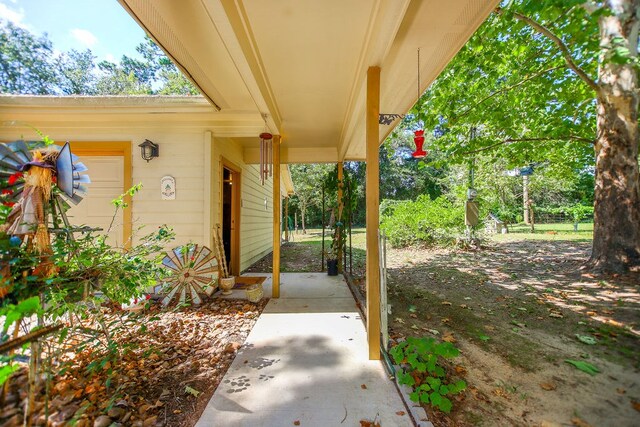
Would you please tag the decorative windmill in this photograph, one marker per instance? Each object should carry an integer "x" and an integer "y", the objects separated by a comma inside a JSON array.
[
  {"x": 30, "y": 176},
  {"x": 194, "y": 271}
]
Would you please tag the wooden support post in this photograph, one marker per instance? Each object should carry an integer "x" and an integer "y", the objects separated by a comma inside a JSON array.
[
  {"x": 373, "y": 206},
  {"x": 275, "y": 290},
  {"x": 340, "y": 208}
]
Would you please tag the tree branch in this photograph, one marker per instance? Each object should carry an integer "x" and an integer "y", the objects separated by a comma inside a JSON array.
[
  {"x": 564, "y": 49},
  {"x": 511, "y": 140},
  {"x": 506, "y": 89}
]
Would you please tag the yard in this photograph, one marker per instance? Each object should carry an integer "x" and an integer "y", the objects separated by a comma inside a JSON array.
[{"x": 519, "y": 310}]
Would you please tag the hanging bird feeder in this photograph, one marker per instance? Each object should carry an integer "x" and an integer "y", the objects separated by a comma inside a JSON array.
[{"x": 418, "y": 139}]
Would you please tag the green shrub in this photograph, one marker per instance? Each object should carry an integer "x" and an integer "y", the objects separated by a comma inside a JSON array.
[
  {"x": 422, "y": 370},
  {"x": 432, "y": 222}
]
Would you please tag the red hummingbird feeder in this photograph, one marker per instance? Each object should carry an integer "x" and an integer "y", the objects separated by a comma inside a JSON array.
[{"x": 418, "y": 139}]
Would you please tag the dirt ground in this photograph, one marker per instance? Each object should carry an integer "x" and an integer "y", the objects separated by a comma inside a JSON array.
[
  {"x": 172, "y": 361},
  {"x": 516, "y": 310}
]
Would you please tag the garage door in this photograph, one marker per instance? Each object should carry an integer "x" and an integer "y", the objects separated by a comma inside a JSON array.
[{"x": 96, "y": 210}]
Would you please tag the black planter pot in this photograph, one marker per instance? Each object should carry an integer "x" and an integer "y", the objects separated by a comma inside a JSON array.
[{"x": 332, "y": 267}]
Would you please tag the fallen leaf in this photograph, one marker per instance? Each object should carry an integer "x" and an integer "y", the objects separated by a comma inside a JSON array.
[
  {"x": 367, "y": 423},
  {"x": 591, "y": 313},
  {"x": 434, "y": 331},
  {"x": 578, "y": 422},
  {"x": 556, "y": 315},
  {"x": 296, "y": 423},
  {"x": 363, "y": 386},
  {"x": 636, "y": 405},
  {"x": 586, "y": 339},
  {"x": 500, "y": 392},
  {"x": 464, "y": 306},
  {"x": 583, "y": 366},
  {"x": 548, "y": 386},
  {"x": 460, "y": 370},
  {"x": 399, "y": 320},
  {"x": 400, "y": 413},
  {"x": 445, "y": 320},
  {"x": 192, "y": 391},
  {"x": 413, "y": 316},
  {"x": 448, "y": 337},
  {"x": 446, "y": 303},
  {"x": 621, "y": 391}
]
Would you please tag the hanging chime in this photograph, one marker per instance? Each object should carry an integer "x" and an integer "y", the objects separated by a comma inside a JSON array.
[
  {"x": 266, "y": 156},
  {"x": 418, "y": 139}
]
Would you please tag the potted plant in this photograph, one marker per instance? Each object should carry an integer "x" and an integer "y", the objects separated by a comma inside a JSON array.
[{"x": 333, "y": 253}]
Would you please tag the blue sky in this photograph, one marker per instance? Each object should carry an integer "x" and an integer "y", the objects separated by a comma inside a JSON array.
[{"x": 100, "y": 25}]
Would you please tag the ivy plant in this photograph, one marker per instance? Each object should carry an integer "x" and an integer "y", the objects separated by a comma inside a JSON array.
[{"x": 422, "y": 369}]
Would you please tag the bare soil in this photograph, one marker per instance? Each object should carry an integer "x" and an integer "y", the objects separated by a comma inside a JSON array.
[
  {"x": 515, "y": 310},
  {"x": 172, "y": 361}
]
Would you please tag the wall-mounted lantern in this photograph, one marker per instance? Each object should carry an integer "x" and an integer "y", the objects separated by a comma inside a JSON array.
[{"x": 149, "y": 150}]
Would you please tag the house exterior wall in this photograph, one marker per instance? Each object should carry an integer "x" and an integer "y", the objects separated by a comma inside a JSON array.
[{"x": 190, "y": 154}]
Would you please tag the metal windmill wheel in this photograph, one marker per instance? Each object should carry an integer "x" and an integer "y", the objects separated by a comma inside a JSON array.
[{"x": 194, "y": 271}]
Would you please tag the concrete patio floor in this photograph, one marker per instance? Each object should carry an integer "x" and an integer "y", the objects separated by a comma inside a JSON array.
[{"x": 306, "y": 363}]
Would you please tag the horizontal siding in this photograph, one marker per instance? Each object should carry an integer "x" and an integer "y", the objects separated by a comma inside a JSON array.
[{"x": 181, "y": 156}]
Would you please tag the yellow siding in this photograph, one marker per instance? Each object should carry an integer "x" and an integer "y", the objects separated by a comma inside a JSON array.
[
  {"x": 255, "y": 221},
  {"x": 183, "y": 149}
]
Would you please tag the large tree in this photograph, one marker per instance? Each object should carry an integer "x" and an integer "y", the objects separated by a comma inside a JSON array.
[
  {"x": 555, "y": 81},
  {"x": 25, "y": 62}
]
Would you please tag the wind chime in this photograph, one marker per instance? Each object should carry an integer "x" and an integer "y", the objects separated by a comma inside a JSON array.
[
  {"x": 266, "y": 155},
  {"x": 418, "y": 139}
]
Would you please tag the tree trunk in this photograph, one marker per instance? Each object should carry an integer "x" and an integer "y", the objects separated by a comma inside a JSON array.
[
  {"x": 616, "y": 228},
  {"x": 303, "y": 215}
]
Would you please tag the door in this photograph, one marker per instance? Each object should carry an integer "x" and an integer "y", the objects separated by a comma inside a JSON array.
[
  {"x": 95, "y": 210},
  {"x": 230, "y": 212}
]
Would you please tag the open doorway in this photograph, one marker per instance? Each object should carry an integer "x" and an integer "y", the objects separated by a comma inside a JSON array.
[{"x": 230, "y": 212}]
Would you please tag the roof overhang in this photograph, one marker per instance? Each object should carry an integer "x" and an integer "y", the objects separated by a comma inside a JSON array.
[{"x": 301, "y": 65}]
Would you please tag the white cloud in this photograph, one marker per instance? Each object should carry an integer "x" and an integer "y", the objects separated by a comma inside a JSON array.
[
  {"x": 11, "y": 15},
  {"x": 109, "y": 57},
  {"x": 84, "y": 37}
]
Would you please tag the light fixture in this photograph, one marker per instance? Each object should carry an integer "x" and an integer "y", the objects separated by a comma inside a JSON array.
[{"x": 149, "y": 150}]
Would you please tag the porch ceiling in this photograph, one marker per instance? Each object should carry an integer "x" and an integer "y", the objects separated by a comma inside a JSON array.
[{"x": 303, "y": 63}]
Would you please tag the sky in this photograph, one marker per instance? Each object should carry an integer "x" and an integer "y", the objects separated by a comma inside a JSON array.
[{"x": 100, "y": 25}]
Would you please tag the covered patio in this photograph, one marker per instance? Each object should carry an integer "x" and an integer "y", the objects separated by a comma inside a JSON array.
[{"x": 317, "y": 75}]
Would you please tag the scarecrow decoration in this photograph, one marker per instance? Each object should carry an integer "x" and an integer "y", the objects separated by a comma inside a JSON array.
[{"x": 30, "y": 192}]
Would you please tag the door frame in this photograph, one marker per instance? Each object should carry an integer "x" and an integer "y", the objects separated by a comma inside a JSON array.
[
  {"x": 236, "y": 171},
  {"x": 112, "y": 149}
]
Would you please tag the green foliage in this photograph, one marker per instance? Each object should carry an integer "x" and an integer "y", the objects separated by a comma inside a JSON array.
[
  {"x": 426, "y": 221},
  {"x": 308, "y": 181},
  {"x": 583, "y": 366},
  {"x": 16, "y": 312},
  {"x": 422, "y": 369},
  {"x": 25, "y": 62},
  {"x": 29, "y": 66}
]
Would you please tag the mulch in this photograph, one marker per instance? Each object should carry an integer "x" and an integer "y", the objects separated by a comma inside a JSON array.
[{"x": 171, "y": 361}]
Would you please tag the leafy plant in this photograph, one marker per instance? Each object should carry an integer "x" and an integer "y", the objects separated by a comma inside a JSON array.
[
  {"x": 583, "y": 366},
  {"x": 437, "y": 221},
  {"x": 422, "y": 369}
]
